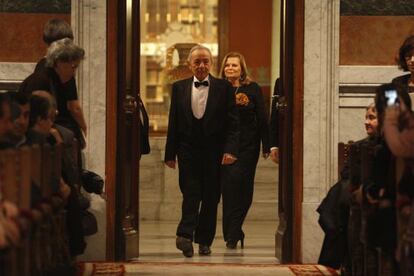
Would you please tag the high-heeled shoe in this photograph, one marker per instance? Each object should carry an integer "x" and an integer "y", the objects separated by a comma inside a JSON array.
[{"x": 232, "y": 244}]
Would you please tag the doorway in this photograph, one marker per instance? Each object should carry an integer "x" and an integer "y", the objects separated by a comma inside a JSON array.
[{"x": 163, "y": 202}]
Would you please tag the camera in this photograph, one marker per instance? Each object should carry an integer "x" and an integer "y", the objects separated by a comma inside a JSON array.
[{"x": 392, "y": 97}]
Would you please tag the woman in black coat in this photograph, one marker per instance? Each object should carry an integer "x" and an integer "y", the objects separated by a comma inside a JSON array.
[{"x": 238, "y": 178}]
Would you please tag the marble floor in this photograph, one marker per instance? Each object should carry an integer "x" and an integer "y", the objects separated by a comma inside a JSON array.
[
  {"x": 157, "y": 243},
  {"x": 158, "y": 255}
]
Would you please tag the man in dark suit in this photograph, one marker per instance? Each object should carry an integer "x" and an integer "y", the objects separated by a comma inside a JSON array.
[
  {"x": 203, "y": 133},
  {"x": 274, "y": 124}
]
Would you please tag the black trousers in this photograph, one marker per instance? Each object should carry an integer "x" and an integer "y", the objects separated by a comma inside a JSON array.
[
  {"x": 199, "y": 170},
  {"x": 237, "y": 182}
]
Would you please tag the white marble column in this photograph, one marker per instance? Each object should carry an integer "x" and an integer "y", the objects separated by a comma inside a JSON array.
[
  {"x": 275, "y": 43},
  {"x": 89, "y": 25},
  {"x": 320, "y": 116}
]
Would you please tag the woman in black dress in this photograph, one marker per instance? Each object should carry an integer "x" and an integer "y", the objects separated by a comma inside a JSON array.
[{"x": 238, "y": 178}]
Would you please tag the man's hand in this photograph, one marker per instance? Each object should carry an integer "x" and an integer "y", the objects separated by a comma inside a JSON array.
[
  {"x": 228, "y": 159},
  {"x": 56, "y": 135},
  {"x": 274, "y": 155},
  {"x": 170, "y": 164}
]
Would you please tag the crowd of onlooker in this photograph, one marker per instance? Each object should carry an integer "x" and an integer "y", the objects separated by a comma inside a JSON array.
[
  {"x": 46, "y": 110},
  {"x": 368, "y": 215}
]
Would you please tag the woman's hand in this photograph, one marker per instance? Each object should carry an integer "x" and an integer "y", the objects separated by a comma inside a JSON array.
[
  {"x": 274, "y": 155},
  {"x": 170, "y": 164},
  {"x": 228, "y": 159},
  {"x": 56, "y": 135}
]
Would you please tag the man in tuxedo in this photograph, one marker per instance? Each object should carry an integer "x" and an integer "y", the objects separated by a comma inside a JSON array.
[
  {"x": 274, "y": 124},
  {"x": 203, "y": 134}
]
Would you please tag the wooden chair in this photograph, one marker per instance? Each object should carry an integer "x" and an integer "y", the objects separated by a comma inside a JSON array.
[
  {"x": 343, "y": 156},
  {"x": 9, "y": 192},
  {"x": 44, "y": 244},
  {"x": 16, "y": 189}
]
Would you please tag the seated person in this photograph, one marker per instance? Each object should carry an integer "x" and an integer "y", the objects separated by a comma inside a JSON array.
[
  {"x": 337, "y": 251},
  {"x": 42, "y": 115},
  {"x": 20, "y": 111}
]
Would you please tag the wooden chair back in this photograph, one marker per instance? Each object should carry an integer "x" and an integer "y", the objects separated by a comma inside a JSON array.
[{"x": 343, "y": 155}]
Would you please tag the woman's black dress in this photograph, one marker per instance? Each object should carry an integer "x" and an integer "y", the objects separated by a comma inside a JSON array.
[{"x": 238, "y": 178}]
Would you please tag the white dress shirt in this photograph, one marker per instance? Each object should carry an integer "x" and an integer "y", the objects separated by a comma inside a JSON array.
[{"x": 199, "y": 98}]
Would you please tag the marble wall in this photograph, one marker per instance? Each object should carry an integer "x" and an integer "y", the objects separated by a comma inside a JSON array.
[
  {"x": 89, "y": 25},
  {"x": 26, "y": 19},
  {"x": 371, "y": 31},
  {"x": 320, "y": 116},
  {"x": 373, "y": 40}
]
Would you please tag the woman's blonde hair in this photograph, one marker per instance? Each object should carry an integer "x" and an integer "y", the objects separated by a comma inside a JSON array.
[{"x": 244, "y": 74}]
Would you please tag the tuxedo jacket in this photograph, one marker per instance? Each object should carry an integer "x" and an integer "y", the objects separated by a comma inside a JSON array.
[{"x": 220, "y": 120}]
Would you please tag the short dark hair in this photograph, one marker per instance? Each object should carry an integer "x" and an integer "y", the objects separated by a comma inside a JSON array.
[
  {"x": 406, "y": 48},
  {"x": 39, "y": 109},
  {"x": 19, "y": 98},
  {"x": 56, "y": 29}
]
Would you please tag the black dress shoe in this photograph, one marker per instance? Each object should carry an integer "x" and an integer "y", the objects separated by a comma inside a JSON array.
[
  {"x": 185, "y": 245},
  {"x": 204, "y": 250}
]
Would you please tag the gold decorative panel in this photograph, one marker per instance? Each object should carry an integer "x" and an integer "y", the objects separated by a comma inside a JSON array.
[{"x": 169, "y": 28}]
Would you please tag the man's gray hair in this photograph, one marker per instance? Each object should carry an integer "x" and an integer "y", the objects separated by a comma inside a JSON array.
[
  {"x": 63, "y": 50},
  {"x": 199, "y": 47}
]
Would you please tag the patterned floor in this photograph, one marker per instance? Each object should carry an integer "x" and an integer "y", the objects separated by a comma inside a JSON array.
[{"x": 208, "y": 269}]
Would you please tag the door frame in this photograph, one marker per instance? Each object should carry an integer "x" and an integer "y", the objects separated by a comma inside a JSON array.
[
  {"x": 122, "y": 131},
  {"x": 298, "y": 22},
  {"x": 111, "y": 125},
  {"x": 295, "y": 15}
]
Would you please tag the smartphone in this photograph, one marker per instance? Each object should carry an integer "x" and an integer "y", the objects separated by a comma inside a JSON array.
[{"x": 391, "y": 96}]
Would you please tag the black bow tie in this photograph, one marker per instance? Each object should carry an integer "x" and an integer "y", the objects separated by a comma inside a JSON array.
[{"x": 198, "y": 83}]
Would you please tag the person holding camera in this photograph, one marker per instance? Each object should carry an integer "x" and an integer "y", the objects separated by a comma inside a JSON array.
[
  {"x": 399, "y": 129},
  {"x": 378, "y": 178},
  {"x": 399, "y": 135}
]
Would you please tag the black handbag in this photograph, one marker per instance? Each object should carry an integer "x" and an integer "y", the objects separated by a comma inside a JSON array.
[
  {"x": 89, "y": 223},
  {"x": 92, "y": 182},
  {"x": 143, "y": 128}
]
